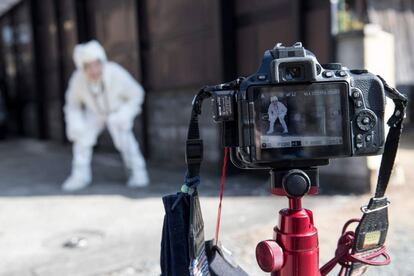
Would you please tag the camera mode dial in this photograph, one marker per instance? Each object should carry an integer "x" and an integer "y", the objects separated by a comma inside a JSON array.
[
  {"x": 366, "y": 120},
  {"x": 332, "y": 66}
]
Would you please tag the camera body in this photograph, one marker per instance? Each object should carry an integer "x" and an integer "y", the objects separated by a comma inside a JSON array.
[{"x": 295, "y": 112}]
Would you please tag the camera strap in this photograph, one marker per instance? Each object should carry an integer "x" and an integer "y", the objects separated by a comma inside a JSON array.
[
  {"x": 365, "y": 247},
  {"x": 372, "y": 229},
  {"x": 194, "y": 145},
  {"x": 218, "y": 265},
  {"x": 393, "y": 138}
]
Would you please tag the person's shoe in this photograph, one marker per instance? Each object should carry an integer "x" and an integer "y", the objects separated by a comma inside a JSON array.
[
  {"x": 285, "y": 131},
  {"x": 75, "y": 183},
  {"x": 138, "y": 179},
  {"x": 269, "y": 132}
]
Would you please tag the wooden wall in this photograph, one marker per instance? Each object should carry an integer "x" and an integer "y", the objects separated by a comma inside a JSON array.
[{"x": 171, "y": 47}]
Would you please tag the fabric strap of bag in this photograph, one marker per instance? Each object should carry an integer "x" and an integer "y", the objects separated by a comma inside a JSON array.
[{"x": 197, "y": 252}]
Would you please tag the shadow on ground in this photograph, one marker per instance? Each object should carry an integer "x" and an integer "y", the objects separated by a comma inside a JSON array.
[{"x": 34, "y": 168}]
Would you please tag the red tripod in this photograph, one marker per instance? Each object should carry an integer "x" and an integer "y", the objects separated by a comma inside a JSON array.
[{"x": 294, "y": 249}]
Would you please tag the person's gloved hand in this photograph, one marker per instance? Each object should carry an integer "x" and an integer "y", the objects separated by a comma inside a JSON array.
[{"x": 120, "y": 121}]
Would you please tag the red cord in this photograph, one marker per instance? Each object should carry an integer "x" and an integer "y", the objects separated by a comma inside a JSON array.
[
  {"x": 223, "y": 178},
  {"x": 344, "y": 256}
]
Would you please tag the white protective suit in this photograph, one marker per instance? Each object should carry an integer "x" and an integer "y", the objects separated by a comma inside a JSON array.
[
  {"x": 114, "y": 102},
  {"x": 276, "y": 110}
]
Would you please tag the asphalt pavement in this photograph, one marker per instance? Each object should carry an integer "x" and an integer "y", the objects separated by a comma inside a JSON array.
[{"x": 111, "y": 230}]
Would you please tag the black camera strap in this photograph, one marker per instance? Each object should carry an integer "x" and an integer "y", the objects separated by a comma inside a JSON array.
[
  {"x": 370, "y": 234},
  {"x": 194, "y": 144},
  {"x": 393, "y": 138},
  {"x": 365, "y": 247}
]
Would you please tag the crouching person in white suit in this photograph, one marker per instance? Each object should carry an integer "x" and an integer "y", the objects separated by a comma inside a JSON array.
[{"x": 101, "y": 94}]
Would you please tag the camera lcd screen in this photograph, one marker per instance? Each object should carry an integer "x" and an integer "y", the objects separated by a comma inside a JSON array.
[{"x": 304, "y": 121}]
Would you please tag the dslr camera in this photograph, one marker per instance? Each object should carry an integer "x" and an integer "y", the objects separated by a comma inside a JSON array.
[{"x": 296, "y": 112}]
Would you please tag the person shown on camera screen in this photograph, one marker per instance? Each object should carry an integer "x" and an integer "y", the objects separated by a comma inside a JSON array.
[
  {"x": 101, "y": 94},
  {"x": 277, "y": 110}
]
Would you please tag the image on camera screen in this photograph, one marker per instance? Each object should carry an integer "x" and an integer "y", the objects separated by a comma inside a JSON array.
[{"x": 299, "y": 116}]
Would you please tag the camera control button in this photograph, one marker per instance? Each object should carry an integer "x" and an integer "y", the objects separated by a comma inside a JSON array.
[
  {"x": 332, "y": 66},
  {"x": 358, "y": 103},
  {"x": 328, "y": 74},
  {"x": 359, "y": 145},
  {"x": 368, "y": 138},
  {"x": 356, "y": 94},
  {"x": 341, "y": 73},
  {"x": 366, "y": 120},
  {"x": 261, "y": 77},
  {"x": 359, "y": 137},
  {"x": 359, "y": 71}
]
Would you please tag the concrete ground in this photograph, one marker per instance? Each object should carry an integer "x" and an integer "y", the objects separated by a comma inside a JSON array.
[{"x": 120, "y": 228}]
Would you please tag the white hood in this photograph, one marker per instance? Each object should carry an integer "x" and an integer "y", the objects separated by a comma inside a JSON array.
[{"x": 87, "y": 52}]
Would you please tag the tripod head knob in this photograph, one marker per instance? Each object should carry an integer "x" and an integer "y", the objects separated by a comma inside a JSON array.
[
  {"x": 296, "y": 183},
  {"x": 269, "y": 256}
]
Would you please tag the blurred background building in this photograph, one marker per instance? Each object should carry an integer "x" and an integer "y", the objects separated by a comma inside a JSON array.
[{"x": 173, "y": 48}]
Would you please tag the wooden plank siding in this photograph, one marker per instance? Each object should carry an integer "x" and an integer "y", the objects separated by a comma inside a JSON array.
[{"x": 171, "y": 47}]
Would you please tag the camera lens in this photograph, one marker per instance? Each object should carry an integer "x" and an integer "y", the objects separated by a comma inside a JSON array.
[{"x": 293, "y": 72}]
